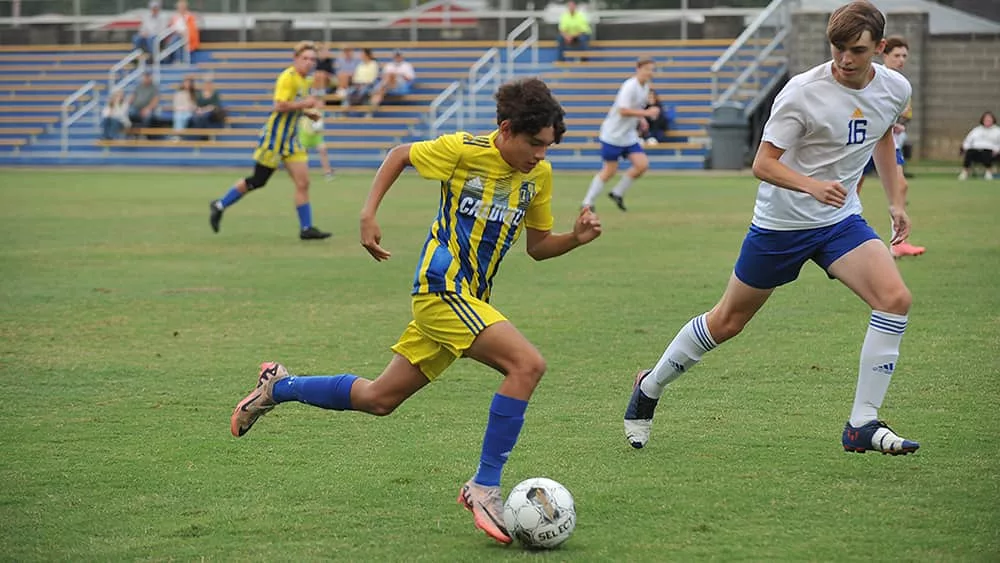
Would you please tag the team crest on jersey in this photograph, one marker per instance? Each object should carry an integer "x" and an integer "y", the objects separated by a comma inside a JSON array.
[{"x": 526, "y": 193}]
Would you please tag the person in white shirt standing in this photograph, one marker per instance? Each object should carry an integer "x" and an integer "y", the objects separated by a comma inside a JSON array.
[
  {"x": 619, "y": 135},
  {"x": 824, "y": 125},
  {"x": 153, "y": 23},
  {"x": 982, "y": 145}
]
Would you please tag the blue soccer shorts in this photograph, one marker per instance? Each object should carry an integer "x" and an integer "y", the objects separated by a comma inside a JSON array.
[{"x": 771, "y": 258}]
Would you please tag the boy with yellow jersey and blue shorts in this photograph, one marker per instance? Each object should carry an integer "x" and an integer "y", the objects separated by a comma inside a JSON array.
[
  {"x": 279, "y": 143},
  {"x": 493, "y": 187}
]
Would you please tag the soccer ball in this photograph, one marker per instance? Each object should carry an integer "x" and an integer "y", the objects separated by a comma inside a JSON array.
[{"x": 539, "y": 512}]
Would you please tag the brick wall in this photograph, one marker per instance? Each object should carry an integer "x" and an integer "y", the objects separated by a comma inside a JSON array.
[{"x": 963, "y": 81}]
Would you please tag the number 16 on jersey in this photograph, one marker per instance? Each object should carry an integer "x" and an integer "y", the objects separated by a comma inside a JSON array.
[{"x": 857, "y": 131}]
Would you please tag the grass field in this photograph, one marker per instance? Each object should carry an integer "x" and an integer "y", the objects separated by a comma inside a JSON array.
[{"x": 128, "y": 331}]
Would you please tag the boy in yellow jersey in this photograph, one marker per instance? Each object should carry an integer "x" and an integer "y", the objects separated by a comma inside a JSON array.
[
  {"x": 279, "y": 142},
  {"x": 492, "y": 188}
]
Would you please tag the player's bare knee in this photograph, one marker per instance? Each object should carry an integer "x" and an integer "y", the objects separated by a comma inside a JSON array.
[
  {"x": 529, "y": 367},
  {"x": 897, "y": 301},
  {"x": 382, "y": 406},
  {"x": 371, "y": 402}
]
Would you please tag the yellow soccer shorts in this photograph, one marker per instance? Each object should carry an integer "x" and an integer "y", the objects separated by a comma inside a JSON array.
[
  {"x": 444, "y": 325},
  {"x": 271, "y": 158}
]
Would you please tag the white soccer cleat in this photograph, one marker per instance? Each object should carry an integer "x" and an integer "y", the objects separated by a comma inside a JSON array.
[
  {"x": 639, "y": 414},
  {"x": 637, "y": 432}
]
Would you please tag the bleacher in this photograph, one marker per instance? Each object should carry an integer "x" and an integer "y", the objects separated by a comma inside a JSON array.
[{"x": 34, "y": 85}]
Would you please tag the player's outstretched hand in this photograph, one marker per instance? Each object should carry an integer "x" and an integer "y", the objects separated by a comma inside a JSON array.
[
  {"x": 653, "y": 112},
  {"x": 900, "y": 225},
  {"x": 371, "y": 236},
  {"x": 830, "y": 193},
  {"x": 587, "y": 227}
]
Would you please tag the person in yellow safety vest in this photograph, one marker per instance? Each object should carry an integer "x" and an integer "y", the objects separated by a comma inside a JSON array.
[{"x": 574, "y": 30}]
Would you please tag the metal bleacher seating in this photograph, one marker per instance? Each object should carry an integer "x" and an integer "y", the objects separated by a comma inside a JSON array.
[{"x": 34, "y": 85}]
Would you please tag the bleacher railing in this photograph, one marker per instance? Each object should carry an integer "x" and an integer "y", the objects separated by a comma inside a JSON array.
[
  {"x": 491, "y": 67},
  {"x": 68, "y": 119},
  {"x": 752, "y": 50},
  {"x": 514, "y": 49},
  {"x": 438, "y": 113},
  {"x": 160, "y": 55},
  {"x": 137, "y": 58}
]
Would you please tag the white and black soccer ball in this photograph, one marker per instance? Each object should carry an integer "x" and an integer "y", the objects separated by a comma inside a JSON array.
[{"x": 540, "y": 513}]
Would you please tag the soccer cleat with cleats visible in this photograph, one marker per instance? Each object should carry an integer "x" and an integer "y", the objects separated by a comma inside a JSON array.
[
  {"x": 486, "y": 505},
  {"x": 619, "y": 200},
  {"x": 876, "y": 436},
  {"x": 215, "y": 215},
  {"x": 312, "y": 233},
  {"x": 639, "y": 413},
  {"x": 260, "y": 401}
]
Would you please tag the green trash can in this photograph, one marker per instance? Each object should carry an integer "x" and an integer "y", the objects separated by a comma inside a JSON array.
[{"x": 728, "y": 130}]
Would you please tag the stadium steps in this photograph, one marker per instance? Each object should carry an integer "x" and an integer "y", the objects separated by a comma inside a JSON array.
[{"x": 33, "y": 86}]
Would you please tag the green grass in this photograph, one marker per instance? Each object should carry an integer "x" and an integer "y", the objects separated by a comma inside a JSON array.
[{"x": 128, "y": 331}]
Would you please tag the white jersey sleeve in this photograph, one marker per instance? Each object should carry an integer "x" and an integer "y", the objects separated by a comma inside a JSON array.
[{"x": 787, "y": 123}]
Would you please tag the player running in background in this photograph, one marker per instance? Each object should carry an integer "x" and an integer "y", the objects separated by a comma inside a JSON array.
[
  {"x": 279, "y": 143},
  {"x": 620, "y": 135},
  {"x": 493, "y": 187},
  {"x": 824, "y": 125},
  {"x": 894, "y": 57}
]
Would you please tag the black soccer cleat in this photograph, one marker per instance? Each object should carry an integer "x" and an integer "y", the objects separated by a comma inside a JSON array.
[
  {"x": 215, "y": 215},
  {"x": 619, "y": 201},
  {"x": 312, "y": 233}
]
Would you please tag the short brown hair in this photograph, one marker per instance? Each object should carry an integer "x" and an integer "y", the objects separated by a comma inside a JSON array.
[
  {"x": 895, "y": 42},
  {"x": 304, "y": 46},
  {"x": 643, "y": 61},
  {"x": 850, "y": 21}
]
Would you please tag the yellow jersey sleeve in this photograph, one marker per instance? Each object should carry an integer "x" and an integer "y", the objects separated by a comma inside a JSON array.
[
  {"x": 539, "y": 215},
  {"x": 285, "y": 88},
  {"x": 437, "y": 159}
]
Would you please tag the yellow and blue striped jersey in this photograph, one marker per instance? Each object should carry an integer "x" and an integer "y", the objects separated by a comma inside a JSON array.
[
  {"x": 485, "y": 204},
  {"x": 281, "y": 129}
]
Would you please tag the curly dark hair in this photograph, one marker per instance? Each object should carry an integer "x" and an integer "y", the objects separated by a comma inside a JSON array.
[{"x": 530, "y": 107}]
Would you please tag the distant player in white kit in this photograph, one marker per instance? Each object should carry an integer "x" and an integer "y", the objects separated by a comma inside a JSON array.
[
  {"x": 620, "y": 135},
  {"x": 824, "y": 126},
  {"x": 894, "y": 56}
]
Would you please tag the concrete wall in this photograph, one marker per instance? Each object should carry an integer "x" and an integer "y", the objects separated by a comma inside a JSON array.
[{"x": 963, "y": 82}]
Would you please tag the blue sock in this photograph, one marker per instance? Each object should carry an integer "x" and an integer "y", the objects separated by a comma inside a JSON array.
[
  {"x": 325, "y": 391},
  {"x": 506, "y": 420},
  {"x": 231, "y": 197},
  {"x": 305, "y": 216}
]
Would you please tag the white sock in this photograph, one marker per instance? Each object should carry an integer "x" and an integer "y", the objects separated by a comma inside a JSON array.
[
  {"x": 684, "y": 351},
  {"x": 596, "y": 187},
  {"x": 623, "y": 185},
  {"x": 879, "y": 354}
]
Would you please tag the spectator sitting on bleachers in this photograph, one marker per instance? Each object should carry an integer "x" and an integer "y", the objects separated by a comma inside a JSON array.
[
  {"x": 363, "y": 80},
  {"x": 152, "y": 24},
  {"x": 184, "y": 105},
  {"x": 655, "y": 129},
  {"x": 114, "y": 117},
  {"x": 210, "y": 112},
  {"x": 347, "y": 63},
  {"x": 144, "y": 101},
  {"x": 574, "y": 30},
  {"x": 397, "y": 80},
  {"x": 185, "y": 25},
  {"x": 323, "y": 76}
]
